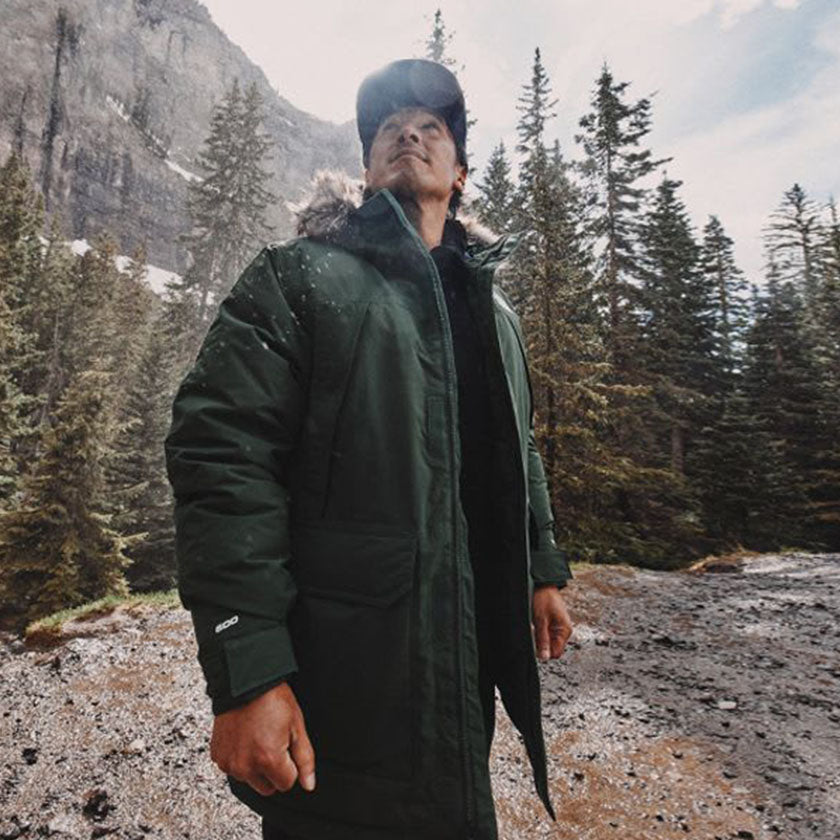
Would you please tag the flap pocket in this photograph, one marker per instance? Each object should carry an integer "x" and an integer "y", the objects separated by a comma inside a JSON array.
[{"x": 358, "y": 564}]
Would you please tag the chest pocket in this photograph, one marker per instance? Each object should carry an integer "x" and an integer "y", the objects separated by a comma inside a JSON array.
[{"x": 335, "y": 342}]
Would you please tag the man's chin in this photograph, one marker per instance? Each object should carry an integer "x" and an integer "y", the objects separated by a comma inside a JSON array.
[{"x": 402, "y": 187}]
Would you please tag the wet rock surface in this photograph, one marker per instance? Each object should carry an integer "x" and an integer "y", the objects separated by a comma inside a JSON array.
[{"x": 700, "y": 706}]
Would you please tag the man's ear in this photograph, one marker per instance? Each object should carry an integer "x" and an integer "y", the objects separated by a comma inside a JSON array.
[{"x": 460, "y": 178}]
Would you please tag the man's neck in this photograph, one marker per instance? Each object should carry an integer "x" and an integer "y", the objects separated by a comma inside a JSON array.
[{"x": 427, "y": 218}]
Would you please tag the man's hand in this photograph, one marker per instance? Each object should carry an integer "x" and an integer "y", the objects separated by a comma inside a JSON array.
[
  {"x": 264, "y": 743},
  {"x": 551, "y": 622}
]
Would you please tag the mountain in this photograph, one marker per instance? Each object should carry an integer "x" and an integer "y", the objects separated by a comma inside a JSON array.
[{"x": 109, "y": 101}]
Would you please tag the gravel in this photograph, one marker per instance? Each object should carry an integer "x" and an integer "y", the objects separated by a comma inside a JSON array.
[{"x": 704, "y": 706}]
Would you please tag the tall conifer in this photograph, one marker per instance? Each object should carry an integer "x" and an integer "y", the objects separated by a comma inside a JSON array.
[
  {"x": 729, "y": 291},
  {"x": 792, "y": 241},
  {"x": 228, "y": 204},
  {"x": 21, "y": 220},
  {"x": 57, "y": 548},
  {"x": 496, "y": 206},
  {"x": 437, "y": 49},
  {"x": 616, "y": 165}
]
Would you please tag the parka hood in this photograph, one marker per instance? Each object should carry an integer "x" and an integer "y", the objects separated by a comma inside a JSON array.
[{"x": 333, "y": 196}]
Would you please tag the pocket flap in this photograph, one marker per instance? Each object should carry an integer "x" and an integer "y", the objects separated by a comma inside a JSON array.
[{"x": 352, "y": 563}]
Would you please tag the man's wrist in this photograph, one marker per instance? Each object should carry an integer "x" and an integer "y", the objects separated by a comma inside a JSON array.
[
  {"x": 222, "y": 705},
  {"x": 550, "y": 583}
]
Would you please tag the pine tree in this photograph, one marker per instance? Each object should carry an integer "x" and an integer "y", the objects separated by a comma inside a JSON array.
[
  {"x": 615, "y": 166},
  {"x": 21, "y": 222},
  {"x": 50, "y": 296},
  {"x": 737, "y": 473},
  {"x": 729, "y": 292},
  {"x": 787, "y": 397},
  {"x": 437, "y": 49},
  {"x": 21, "y": 218},
  {"x": 826, "y": 310},
  {"x": 134, "y": 307},
  {"x": 57, "y": 549},
  {"x": 678, "y": 349},
  {"x": 535, "y": 104},
  {"x": 228, "y": 205},
  {"x": 551, "y": 281},
  {"x": 145, "y": 490},
  {"x": 798, "y": 242},
  {"x": 496, "y": 206},
  {"x": 130, "y": 314},
  {"x": 14, "y": 405},
  {"x": 550, "y": 257},
  {"x": 830, "y": 246},
  {"x": 826, "y": 331},
  {"x": 438, "y": 42},
  {"x": 734, "y": 460},
  {"x": 792, "y": 241},
  {"x": 91, "y": 335}
]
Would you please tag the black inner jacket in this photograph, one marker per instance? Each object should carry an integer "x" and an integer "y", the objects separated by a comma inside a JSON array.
[
  {"x": 474, "y": 405},
  {"x": 475, "y": 428}
]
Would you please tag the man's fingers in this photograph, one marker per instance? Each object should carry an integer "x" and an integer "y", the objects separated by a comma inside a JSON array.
[
  {"x": 541, "y": 638},
  {"x": 282, "y": 773},
  {"x": 303, "y": 756},
  {"x": 559, "y": 636},
  {"x": 261, "y": 784}
]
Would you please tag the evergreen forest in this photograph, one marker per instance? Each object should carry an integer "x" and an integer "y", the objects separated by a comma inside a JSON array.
[{"x": 681, "y": 408}]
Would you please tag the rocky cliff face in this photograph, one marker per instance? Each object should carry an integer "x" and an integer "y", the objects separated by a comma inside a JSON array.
[{"x": 110, "y": 100}]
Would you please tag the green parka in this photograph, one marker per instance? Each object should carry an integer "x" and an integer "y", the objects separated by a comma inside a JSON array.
[{"x": 314, "y": 457}]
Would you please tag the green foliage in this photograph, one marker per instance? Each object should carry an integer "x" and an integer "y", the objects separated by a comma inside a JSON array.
[
  {"x": 228, "y": 204},
  {"x": 784, "y": 380},
  {"x": 792, "y": 239},
  {"x": 53, "y": 624},
  {"x": 728, "y": 289},
  {"x": 614, "y": 168},
  {"x": 675, "y": 416},
  {"x": 142, "y": 484},
  {"x": 21, "y": 218},
  {"x": 677, "y": 352},
  {"x": 57, "y": 548},
  {"x": 496, "y": 207},
  {"x": 438, "y": 44}
]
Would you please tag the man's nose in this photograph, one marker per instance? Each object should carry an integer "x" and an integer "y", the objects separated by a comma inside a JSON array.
[{"x": 409, "y": 131}]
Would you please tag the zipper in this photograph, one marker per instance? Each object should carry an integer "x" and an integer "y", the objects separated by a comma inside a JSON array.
[{"x": 449, "y": 356}]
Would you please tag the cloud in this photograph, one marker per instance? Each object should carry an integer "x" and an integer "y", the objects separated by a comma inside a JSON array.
[
  {"x": 744, "y": 88},
  {"x": 731, "y": 11},
  {"x": 740, "y": 167}
]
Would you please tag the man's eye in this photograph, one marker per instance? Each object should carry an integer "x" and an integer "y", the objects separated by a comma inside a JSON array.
[{"x": 432, "y": 125}]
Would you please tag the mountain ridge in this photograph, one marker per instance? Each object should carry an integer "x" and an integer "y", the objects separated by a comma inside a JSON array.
[{"x": 109, "y": 102}]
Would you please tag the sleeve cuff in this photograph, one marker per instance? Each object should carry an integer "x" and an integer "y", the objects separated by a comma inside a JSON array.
[
  {"x": 244, "y": 666},
  {"x": 225, "y": 704},
  {"x": 550, "y": 566}
]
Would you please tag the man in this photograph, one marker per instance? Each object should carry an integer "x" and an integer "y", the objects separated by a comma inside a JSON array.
[{"x": 364, "y": 535}]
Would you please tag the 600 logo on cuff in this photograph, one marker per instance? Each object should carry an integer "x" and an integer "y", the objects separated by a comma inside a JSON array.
[{"x": 223, "y": 625}]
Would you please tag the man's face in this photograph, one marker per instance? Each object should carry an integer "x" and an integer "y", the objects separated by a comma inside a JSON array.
[{"x": 413, "y": 153}]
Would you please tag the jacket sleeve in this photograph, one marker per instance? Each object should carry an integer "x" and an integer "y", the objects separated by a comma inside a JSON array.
[
  {"x": 548, "y": 563},
  {"x": 235, "y": 422}
]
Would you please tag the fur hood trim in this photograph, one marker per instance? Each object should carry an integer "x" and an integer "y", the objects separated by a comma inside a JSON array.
[{"x": 333, "y": 195}]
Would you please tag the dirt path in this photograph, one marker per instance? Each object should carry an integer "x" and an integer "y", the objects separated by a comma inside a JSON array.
[
  {"x": 686, "y": 706},
  {"x": 691, "y": 706}
]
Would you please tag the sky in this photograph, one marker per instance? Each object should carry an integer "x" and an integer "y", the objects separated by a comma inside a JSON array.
[{"x": 746, "y": 93}]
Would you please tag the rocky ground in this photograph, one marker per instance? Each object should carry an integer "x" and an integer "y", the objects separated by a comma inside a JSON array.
[{"x": 688, "y": 705}]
